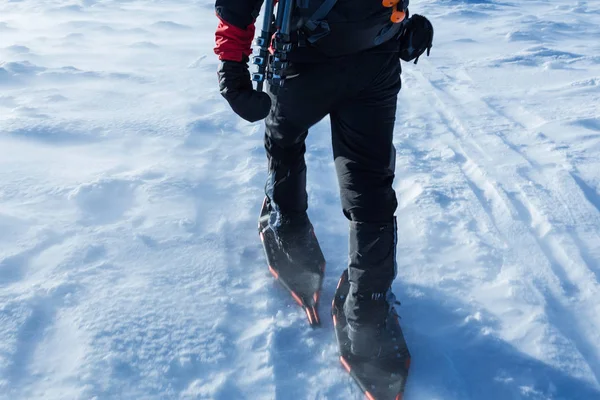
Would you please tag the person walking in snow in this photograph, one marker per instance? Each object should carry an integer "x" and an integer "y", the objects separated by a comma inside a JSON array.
[{"x": 351, "y": 73}]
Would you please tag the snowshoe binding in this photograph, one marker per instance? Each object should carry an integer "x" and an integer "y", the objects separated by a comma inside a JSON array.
[
  {"x": 294, "y": 258},
  {"x": 381, "y": 374}
]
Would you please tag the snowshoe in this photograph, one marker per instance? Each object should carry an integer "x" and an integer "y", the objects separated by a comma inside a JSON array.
[
  {"x": 300, "y": 271},
  {"x": 380, "y": 377}
]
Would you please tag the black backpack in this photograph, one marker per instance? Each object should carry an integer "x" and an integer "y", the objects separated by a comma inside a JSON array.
[{"x": 340, "y": 27}]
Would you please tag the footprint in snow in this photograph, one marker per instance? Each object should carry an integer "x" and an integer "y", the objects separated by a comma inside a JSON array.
[
  {"x": 104, "y": 201},
  {"x": 14, "y": 267},
  {"x": 41, "y": 311}
]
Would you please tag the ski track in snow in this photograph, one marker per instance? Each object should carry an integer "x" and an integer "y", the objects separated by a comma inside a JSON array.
[{"x": 130, "y": 265}]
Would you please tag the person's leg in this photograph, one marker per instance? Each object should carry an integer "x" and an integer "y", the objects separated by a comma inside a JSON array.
[
  {"x": 303, "y": 101},
  {"x": 362, "y": 128},
  {"x": 292, "y": 250}
]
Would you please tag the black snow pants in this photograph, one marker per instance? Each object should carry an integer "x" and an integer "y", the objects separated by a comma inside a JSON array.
[{"x": 359, "y": 92}]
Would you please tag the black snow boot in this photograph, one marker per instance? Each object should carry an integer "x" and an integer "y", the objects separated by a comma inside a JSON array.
[
  {"x": 294, "y": 256},
  {"x": 372, "y": 321},
  {"x": 381, "y": 335},
  {"x": 295, "y": 236},
  {"x": 372, "y": 350}
]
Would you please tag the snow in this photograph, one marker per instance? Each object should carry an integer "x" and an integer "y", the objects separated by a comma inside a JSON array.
[{"x": 130, "y": 265}]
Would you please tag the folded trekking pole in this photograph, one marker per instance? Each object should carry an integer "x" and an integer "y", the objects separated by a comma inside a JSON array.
[
  {"x": 263, "y": 42},
  {"x": 271, "y": 66}
]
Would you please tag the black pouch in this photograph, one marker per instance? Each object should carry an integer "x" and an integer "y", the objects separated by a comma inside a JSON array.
[{"x": 415, "y": 37}]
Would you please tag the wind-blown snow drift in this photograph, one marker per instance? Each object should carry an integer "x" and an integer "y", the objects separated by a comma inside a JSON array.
[{"x": 130, "y": 265}]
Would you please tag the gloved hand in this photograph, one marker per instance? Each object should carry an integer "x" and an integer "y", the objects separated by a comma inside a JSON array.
[
  {"x": 236, "y": 87},
  {"x": 415, "y": 38}
]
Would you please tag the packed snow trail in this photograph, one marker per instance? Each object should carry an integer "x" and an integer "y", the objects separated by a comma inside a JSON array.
[{"x": 130, "y": 264}]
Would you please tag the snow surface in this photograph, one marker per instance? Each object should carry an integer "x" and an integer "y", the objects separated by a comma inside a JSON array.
[{"x": 130, "y": 265}]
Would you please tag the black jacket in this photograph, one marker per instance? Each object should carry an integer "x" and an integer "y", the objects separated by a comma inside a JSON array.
[{"x": 353, "y": 25}]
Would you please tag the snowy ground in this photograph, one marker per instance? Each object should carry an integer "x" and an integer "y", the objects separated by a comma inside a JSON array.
[{"x": 130, "y": 267}]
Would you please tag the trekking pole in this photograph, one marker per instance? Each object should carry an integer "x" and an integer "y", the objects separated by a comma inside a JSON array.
[
  {"x": 282, "y": 44},
  {"x": 271, "y": 66},
  {"x": 264, "y": 41}
]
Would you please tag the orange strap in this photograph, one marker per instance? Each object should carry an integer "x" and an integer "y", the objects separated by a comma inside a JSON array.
[{"x": 397, "y": 16}]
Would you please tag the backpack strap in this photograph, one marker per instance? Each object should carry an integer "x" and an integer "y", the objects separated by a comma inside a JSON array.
[{"x": 316, "y": 25}]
